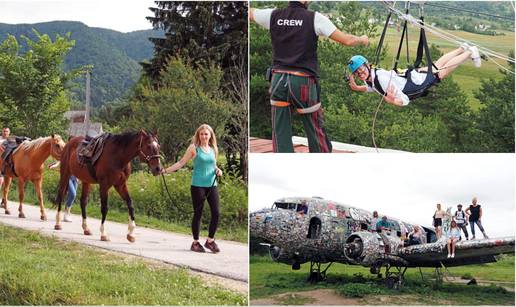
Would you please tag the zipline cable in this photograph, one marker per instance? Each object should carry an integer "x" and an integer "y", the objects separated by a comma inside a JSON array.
[{"x": 448, "y": 36}]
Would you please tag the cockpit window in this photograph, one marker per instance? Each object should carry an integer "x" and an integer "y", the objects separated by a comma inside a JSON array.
[{"x": 301, "y": 208}]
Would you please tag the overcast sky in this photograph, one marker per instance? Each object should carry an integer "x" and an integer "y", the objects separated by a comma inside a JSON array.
[
  {"x": 405, "y": 186},
  {"x": 120, "y": 15}
]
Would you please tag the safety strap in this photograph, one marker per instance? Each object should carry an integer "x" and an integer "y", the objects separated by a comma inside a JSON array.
[
  {"x": 311, "y": 109},
  {"x": 291, "y": 72},
  {"x": 278, "y": 103},
  {"x": 380, "y": 44},
  {"x": 400, "y": 45}
]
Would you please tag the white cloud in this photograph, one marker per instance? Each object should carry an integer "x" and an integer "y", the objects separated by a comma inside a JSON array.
[{"x": 406, "y": 186}]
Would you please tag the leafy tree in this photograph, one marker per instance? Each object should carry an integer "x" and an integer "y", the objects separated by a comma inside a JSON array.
[
  {"x": 496, "y": 118},
  {"x": 200, "y": 31},
  {"x": 32, "y": 84},
  {"x": 209, "y": 33},
  {"x": 184, "y": 98}
]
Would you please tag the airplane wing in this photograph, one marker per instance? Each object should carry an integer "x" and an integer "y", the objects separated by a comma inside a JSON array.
[{"x": 466, "y": 252}]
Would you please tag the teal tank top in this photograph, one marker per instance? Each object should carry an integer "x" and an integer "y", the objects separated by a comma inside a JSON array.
[{"x": 204, "y": 168}]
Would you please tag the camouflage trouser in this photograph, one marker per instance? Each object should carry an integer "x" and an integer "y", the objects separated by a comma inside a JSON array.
[{"x": 296, "y": 93}]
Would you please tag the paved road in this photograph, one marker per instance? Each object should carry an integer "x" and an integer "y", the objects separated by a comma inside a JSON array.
[{"x": 232, "y": 262}]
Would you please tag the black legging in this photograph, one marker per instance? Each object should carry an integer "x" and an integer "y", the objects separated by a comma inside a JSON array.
[{"x": 198, "y": 196}]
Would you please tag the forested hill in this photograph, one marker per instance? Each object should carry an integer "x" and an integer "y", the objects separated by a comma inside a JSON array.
[{"x": 114, "y": 55}]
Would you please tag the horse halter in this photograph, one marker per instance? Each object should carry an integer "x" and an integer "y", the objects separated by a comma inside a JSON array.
[{"x": 147, "y": 158}]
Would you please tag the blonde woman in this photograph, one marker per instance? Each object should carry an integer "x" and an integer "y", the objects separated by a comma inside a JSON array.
[{"x": 204, "y": 153}]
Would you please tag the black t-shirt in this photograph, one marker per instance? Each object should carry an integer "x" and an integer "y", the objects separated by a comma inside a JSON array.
[
  {"x": 475, "y": 212},
  {"x": 294, "y": 42}
]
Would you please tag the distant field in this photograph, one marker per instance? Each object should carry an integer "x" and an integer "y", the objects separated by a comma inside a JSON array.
[
  {"x": 269, "y": 278},
  {"x": 467, "y": 76}
]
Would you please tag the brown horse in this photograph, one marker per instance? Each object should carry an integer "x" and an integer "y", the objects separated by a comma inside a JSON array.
[
  {"x": 28, "y": 161},
  {"x": 112, "y": 169}
]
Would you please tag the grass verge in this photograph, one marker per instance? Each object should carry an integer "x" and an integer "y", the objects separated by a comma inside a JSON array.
[
  {"x": 269, "y": 278},
  {"x": 38, "y": 270}
]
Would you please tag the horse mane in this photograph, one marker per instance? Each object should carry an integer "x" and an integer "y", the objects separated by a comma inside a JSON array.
[
  {"x": 123, "y": 139},
  {"x": 33, "y": 145}
]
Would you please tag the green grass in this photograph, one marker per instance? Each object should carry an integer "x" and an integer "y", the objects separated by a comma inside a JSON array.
[
  {"x": 38, "y": 270},
  {"x": 467, "y": 76},
  {"x": 268, "y": 278}
]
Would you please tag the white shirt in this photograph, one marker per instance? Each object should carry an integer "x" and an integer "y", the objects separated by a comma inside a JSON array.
[
  {"x": 322, "y": 24},
  {"x": 398, "y": 83}
]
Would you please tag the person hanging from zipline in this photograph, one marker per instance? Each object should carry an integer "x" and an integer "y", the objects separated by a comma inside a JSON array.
[{"x": 398, "y": 89}]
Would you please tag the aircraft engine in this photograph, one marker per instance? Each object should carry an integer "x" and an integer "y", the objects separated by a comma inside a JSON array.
[{"x": 369, "y": 248}]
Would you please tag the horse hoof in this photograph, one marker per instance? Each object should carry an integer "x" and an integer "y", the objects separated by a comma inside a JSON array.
[
  {"x": 104, "y": 238},
  {"x": 21, "y": 215},
  {"x": 7, "y": 212},
  {"x": 43, "y": 218},
  {"x": 87, "y": 232},
  {"x": 58, "y": 227},
  {"x": 131, "y": 238}
]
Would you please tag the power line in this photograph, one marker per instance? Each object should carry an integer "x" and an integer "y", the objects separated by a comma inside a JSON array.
[{"x": 468, "y": 11}]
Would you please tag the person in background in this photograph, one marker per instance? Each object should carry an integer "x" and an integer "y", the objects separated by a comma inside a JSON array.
[
  {"x": 461, "y": 218},
  {"x": 475, "y": 216},
  {"x": 71, "y": 194},
  {"x": 453, "y": 236},
  {"x": 6, "y": 132},
  {"x": 438, "y": 221}
]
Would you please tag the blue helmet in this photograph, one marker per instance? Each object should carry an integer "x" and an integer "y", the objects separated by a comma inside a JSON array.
[{"x": 355, "y": 62}]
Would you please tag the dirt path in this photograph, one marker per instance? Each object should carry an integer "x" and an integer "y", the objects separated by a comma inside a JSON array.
[
  {"x": 229, "y": 267},
  {"x": 320, "y": 297}
]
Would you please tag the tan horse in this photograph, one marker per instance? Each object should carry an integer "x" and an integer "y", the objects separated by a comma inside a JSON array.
[{"x": 28, "y": 161}]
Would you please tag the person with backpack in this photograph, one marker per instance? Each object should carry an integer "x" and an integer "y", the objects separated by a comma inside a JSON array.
[{"x": 461, "y": 218}]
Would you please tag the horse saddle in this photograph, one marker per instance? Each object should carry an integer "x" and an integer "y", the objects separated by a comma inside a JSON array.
[
  {"x": 90, "y": 149},
  {"x": 10, "y": 145}
]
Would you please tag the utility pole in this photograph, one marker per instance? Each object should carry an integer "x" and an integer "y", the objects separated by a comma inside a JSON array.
[{"x": 87, "y": 115}]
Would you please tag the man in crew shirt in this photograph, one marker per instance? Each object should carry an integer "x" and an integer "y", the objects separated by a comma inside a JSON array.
[{"x": 294, "y": 85}]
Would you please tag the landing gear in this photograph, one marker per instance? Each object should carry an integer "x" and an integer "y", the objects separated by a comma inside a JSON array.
[
  {"x": 394, "y": 279},
  {"x": 316, "y": 275}
]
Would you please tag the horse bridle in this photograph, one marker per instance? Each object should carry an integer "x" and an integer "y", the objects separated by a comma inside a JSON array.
[{"x": 142, "y": 154}]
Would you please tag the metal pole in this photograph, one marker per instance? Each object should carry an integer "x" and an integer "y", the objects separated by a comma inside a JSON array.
[{"x": 87, "y": 115}]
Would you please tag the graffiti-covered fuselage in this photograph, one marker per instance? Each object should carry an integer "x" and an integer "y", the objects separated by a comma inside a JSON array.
[{"x": 303, "y": 229}]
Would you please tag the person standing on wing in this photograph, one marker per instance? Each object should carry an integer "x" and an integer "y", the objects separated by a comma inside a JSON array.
[{"x": 295, "y": 70}]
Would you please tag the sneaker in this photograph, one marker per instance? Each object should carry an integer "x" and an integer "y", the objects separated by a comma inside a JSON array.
[
  {"x": 212, "y": 246},
  {"x": 473, "y": 238},
  {"x": 67, "y": 217},
  {"x": 475, "y": 56},
  {"x": 197, "y": 247},
  {"x": 449, "y": 255},
  {"x": 485, "y": 236},
  {"x": 465, "y": 46},
  {"x": 453, "y": 255}
]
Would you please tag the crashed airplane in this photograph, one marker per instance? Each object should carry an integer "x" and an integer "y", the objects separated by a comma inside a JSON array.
[{"x": 299, "y": 230}]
